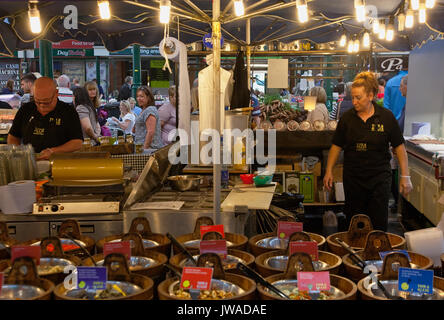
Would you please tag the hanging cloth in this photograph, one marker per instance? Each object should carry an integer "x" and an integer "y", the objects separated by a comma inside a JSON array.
[{"x": 241, "y": 93}]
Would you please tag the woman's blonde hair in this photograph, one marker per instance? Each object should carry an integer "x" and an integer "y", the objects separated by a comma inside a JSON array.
[
  {"x": 319, "y": 93},
  {"x": 368, "y": 81},
  {"x": 96, "y": 100},
  {"x": 126, "y": 105},
  {"x": 132, "y": 102}
]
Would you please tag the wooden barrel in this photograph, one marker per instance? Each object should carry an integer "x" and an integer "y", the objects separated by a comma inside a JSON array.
[
  {"x": 257, "y": 250},
  {"x": 120, "y": 273},
  {"x": 265, "y": 270},
  {"x": 164, "y": 246},
  {"x": 238, "y": 241},
  {"x": 442, "y": 264},
  {"x": 5, "y": 241},
  {"x": 245, "y": 256},
  {"x": 30, "y": 277}
]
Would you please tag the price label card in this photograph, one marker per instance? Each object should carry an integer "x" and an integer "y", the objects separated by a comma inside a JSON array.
[
  {"x": 383, "y": 254},
  {"x": 123, "y": 247},
  {"x": 215, "y": 246},
  {"x": 2, "y": 278},
  {"x": 415, "y": 280},
  {"x": 310, "y": 247},
  {"x": 314, "y": 281},
  {"x": 26, "y": 251},
  {"x": 196, "y": 278},
  {"x": 287, "y": 228},
  {"x": 91, "y": 277},
  {"x": 217, "y": 228}
]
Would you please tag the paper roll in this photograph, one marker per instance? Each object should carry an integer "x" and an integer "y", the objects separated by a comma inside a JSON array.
[
  {"x": 176, "y": 51},
  {"x": 428, "y": 242},
  {"x": 17, "y": 197},
  {"x": 87, "y": 169}
]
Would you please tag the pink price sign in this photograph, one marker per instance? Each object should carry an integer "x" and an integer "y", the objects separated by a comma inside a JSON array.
[
  {"x": 214, "y": 246},
  {"x": 196, "y": 278},
  {"x": 26, "y": 251},
  {"x": 287, "y": 228},
  {"x": 310, "y": 247},
  {"x": 217, "y": 228},
  {"x": 123, "y": 247},
  {"x": 314, "y": 281}
]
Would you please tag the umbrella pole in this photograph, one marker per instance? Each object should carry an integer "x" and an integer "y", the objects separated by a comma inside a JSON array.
[
  {"x": 248, "y": 53},
  {"x": 216, "y": 35}
]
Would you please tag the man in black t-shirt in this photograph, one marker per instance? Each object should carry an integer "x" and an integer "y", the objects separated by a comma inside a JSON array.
[{"x": 50, "y": 125}]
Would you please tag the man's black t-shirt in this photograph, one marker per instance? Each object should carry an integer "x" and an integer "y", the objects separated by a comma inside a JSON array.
[
  {"x": 366, "y": 144},
  {"x": 56, "y": 128}
]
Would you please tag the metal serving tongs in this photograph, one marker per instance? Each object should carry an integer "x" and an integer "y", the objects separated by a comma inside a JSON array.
[
  {"x": 259, "y": 279},
  {"x": 181, "y": 247},
  {"x": 361, "y": 264}
]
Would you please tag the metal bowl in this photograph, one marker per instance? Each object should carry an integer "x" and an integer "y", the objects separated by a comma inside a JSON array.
[
  {"x": 216, "y": 284},
  {"x": 49, "y": 266},
  {"x": 185, "y": 182},
  {"x": 288, "y": 285},
  {"x": 378, "y": 264},
  {"x": 65, "y": 242},
  {"x": 273, "y": 243},
  {"x": 392, "y": 287},
  {"x": 230, "y": 260},
  {"x": 20, "y": 292},
  {"x": 136, "y": 262},
  {"x": 146, "y": 243},
  {"x": 280, "y": 263},
  {"x": 194, "y": 244},
  {"x": 89, "y": 294}
]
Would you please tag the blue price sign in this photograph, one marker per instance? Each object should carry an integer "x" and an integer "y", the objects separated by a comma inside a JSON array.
[
  {"x": 91, "y": 278},
  {"x": 383, "y": 254},
  {"x": 415, "y": 281},
  {"x": 208, "y": 43}
]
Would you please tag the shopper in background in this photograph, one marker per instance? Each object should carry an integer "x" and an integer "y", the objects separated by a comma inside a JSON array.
[
  {"x": 75, "y": 83},
  {"x": 9, "y": 88},
  {"x": 167, "y": 115},
  {"x": 134, "y": 108},
  {"x": 320, "y": 112},
  {"x": 101, "y": 92},
  {"x": 65, "y": 93},
  {"x": 403, "y": 90},
  {"x": 102, "y": 115},
  {"x": 27, "y": 84},
  {"x": 125, "y": 90},
  {"x": 127, "y": 116},
  {"x": 381, "y": 87},
  {"x": 365, "y": 133},
  {"x": 147, "y": 127},
  {"x": 345, "y": 105},
  {"x": 87, "y": 114},
  {"x": 340, "y": 87},
  {"x": 393, "y": 99}
]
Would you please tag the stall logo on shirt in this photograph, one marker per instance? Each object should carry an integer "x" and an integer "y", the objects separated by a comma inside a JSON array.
[
  {"x": 58, "y": 121},
  {"x": 39, "y": 131},
  {"x": 378, "y": 127},
  {"x": 361, "y": 146}
]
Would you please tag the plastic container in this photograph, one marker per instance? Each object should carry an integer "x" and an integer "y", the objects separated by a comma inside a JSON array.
[
  {"x": 262, "y": 179},
  {"x": 247, "y": 178}
]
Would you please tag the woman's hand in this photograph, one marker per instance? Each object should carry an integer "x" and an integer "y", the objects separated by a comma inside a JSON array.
[
  {"x": 405, "y": 185},
  {"x": 328, "y": 180}
]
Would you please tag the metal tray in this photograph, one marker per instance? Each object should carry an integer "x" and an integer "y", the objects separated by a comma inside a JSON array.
[
  {"x": 280, "y": 263},
  {"x": 136, "y": 262},
  {"x": 216, "y": 284},
  {"x": 229, "y": 260},
  {"x": 20, "y": 292},
  {"x": 195, "y": 244},
  {"x": 273, "y": 243},
  {"x": 146, "y": 243},
  {"x": 64, "y": 241},
  {"x": 392, "y": 287},
  {"x": 126, "y": 287},
  {"x": 289, "y": 285}
]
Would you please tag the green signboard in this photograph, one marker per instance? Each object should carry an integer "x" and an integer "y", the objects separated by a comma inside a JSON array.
[
  {"x": 158, "y": 77},
  {"x": 80, "y": 53}
]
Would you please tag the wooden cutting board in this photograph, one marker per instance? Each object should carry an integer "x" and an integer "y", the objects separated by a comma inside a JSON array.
[{"x": 253, "y": 198}]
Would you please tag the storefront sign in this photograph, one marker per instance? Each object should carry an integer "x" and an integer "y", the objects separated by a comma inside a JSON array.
[
  {"x": 69, "y": 44},
  {"x": 92, "y": 278},
  {"x": 309, "y": 247},
  {"x": 214, "y": 246},
  {"x": 145, "y": 52},
  {"x": 10, "y": 69},
  {"x": 216, "y": 228},
  {"x": 287, "y": 228},
  {"x": 26, "y": 251},
  {"x": 196, "y": 278},
  {"x": 314, "y": 281},
  {"x": 392, "y": 64},
  {"x": 123, "y": 247},
  {"x": 415, "y": 281},
  {"x": 81, "y": 53}
]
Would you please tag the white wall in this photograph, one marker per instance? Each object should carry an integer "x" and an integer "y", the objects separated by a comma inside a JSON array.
[{"x": 425, "y": 88}]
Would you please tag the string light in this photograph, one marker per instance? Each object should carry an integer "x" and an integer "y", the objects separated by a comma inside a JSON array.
[
  {"x": 401, "y": 22},
  {"x": 34, "y": 18},
  {"x": 375, "y": 26},
  {"x": 351, "y": 46},
  {"x": 414, "y": 4},
  {"x": 302, "y": 10},
  {"x": 390, "y": 33},
  {"x": 239, "y": 8},
  {"x": 165, "y": 9},
  {"x": 343, "y": 40},
  {"x": 105, "y": 12},
  {"x": 360, "y": 10},
  {"x": 381, "y": 34},
  {"x": 366, "y": 40},
  {"x": 422, "y": 13},
  {"x": 409, "y": 19},
  {"x": 356, "y": 45},
  {"x": 430, "y": 4}
]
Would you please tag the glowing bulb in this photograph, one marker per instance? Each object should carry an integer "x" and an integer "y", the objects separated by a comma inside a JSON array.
[
  {"x": 381, "y": 31},
  {"x": 356, "y": 45},
  {"x": 422, "y": 13},
  {"x": 366, "y": 40},
  {"x": 414, "y": 4},
  {"x": 165, "y": 7},
  {"x": 239, "y": 8},
  {"x": 401, "y": 22},
  {"x": 360, "y": 10},
  {"x": 409, "y": 19},
  {"x": 343, "y": 40},
  {"x": 34, "y": 19},
  {"x": 351, "y": 46},
  {"x": 430, "y": 4},
  {"x": 375, "y": 26},
  {"x": 105, "y": 13},
  {"x": 390, "y": 33},
  {"x": 302, "y": 10}
]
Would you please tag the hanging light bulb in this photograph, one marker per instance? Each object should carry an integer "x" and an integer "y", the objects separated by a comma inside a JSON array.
[
  {"x": 356, "y": 44},
  {"x": 375, "y": 26},
  {"x": 302, "y": 10},
  {"x": 422, "y": 13},
  {"x": 165, "y": 8},
  {"x": 105, "y": 13},
  {"x": 239, "y": 8},
  {"x": 414, "y": 4},
  {"x": 430, "y": 4},
  {"x": 409, "y": 19},
  {"x": 343, "y": 40},
  {"x": 381, "y": 34},
  {"x": 366, "y": 40},
  {"x": 360, "y": 10},
  {"x": 390, "y": 33},
  {"x": 401, "y": 22},
  {"x": 351, "y": 46},
  {"x": 34, "y": 18}
]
